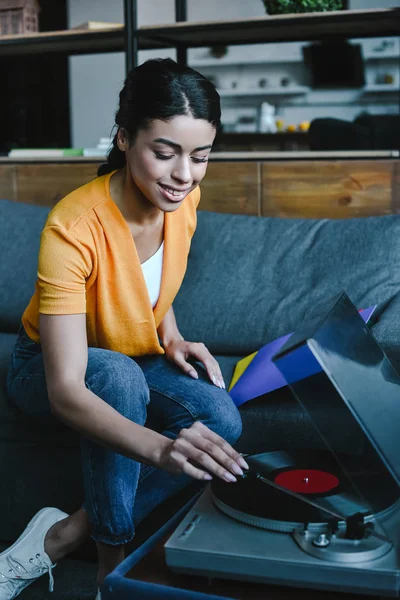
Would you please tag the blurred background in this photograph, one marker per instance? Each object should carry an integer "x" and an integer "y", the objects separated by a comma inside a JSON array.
[{"x": 275, "y": 96}]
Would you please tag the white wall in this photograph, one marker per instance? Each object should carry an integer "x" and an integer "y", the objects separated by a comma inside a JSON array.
[{"x": 95, "y": 80}]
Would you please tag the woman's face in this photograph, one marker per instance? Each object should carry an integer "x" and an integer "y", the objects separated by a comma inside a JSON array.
[{"x": 169, "y": 159}]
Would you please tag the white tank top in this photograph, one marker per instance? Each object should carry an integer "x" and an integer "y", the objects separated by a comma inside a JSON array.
[{"x": 152, "y": 271}]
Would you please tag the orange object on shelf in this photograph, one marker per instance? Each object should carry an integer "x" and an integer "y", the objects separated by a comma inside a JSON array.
[
  {"x": 291, "y": 128},
  {"x": 304, "y": 126}
]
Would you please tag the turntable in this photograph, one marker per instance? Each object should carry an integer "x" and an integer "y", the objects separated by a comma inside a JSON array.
[{"x": 326, "y": 519}]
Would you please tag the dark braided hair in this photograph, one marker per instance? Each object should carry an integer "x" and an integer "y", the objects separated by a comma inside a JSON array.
[{"x": 161, "y": 89}]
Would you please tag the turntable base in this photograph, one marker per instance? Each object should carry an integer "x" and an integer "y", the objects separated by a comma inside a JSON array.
[{"x": 210, "y": 543}]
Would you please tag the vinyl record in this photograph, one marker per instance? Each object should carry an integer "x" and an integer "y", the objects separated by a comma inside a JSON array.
[{"x": 315, "y": 475}]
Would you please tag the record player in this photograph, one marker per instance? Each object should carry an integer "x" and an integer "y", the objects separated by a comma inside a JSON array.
[{"x": 326, "y": 519}]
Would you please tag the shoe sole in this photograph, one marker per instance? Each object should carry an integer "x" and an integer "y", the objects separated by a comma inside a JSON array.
[{"x": 44, "y": 512}]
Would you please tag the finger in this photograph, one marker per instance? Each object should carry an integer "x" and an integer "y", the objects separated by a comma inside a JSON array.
[
  {"x": 213, "y": 457},
  {"x": 209, "y": 455},
  {"x": 201, "y": 352},
  {"x": 206, "y": 433},
  {"x": 185, "y": 366},
  {"x": 218, "y": 374},
  {"x": 213, "y": 366},
  {"x": 186, "y": 467},
  {"x": 202, "y": 453},
  {"x": 214, "y": 372},
  {"x": 196, "y": 473}
]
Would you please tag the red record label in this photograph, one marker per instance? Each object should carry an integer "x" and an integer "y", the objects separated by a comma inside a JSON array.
[{"x": 307, "y": 481}]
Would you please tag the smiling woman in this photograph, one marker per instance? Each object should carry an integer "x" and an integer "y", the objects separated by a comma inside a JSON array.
[
  {"x": 160, "y": 90},
  {"x": 99, "y": 346},
  {"x": 165, "y": 162}
]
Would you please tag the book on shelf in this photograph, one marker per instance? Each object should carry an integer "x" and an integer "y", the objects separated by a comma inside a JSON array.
[
  {"x": 95, "y": 152},
  {"x": 97, "y": 25},
  {"x": 44, "y": 152},
  {"x": 100, "y": 151}
]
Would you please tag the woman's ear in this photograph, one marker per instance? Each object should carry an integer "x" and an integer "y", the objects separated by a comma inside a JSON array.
[{"x": 122, "y": 140}]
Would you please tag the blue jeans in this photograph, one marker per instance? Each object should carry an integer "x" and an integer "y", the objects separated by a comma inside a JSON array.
[{"x": 151, "y": 391}]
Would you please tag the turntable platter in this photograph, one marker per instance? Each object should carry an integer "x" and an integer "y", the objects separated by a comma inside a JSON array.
[{"x": 314, "y": 474}]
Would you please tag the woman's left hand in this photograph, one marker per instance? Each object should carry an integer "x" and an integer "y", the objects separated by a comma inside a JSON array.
[{"x": 178, "y": 351}]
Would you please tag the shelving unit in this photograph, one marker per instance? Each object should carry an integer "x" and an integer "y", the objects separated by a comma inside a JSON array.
[
  {"x": 70, "y": 42},
  {"x": 387, "y": 56},
  {"x": 293, "y": 90},
  {"x": 183, "y": 35},
  {"x": 301, "y": 90},
  {"x": 282, "y": 28},
  {"x": 197, "y": 63},
  {"x": 381, "y": 88}
]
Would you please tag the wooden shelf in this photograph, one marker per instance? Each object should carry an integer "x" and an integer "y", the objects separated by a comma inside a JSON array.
[
  {"x": 381, "y": 88},
  {"x": 70, "y": 41},
  {"x": 387, "y": 56},
  {"x": 205, "y": 64},
  {"x": 293, "y": 90},
  {"x": 282, "y": 28},
  {"x": 238, "y": 62}
]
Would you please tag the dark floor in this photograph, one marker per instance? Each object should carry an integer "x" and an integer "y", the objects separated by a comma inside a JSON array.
[{"x": 75, "y": 577}]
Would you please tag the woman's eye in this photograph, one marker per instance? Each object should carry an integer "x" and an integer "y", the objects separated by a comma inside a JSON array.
[
  {"x": 199, "y": 160},
  {"x": 163, "y": 156}
]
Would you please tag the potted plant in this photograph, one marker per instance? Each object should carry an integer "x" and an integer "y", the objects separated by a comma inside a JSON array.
[{"x": 279, "y": 7}]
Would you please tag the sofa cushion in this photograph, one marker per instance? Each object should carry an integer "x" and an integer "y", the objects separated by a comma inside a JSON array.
[
  {"x": 250, "y": 280},
  {"x": 387, "y": 330},
  {"x": 20, "y": 229},
  {"x": 14, "y": 425}
]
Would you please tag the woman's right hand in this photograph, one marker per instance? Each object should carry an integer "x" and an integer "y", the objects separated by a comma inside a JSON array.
[{"x": 199, "y": 452}]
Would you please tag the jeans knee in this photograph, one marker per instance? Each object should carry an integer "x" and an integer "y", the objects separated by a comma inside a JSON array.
[
  {"x": 223, "y": 417},
  {"x": 119, "y": 381},
  {"x": 235, "y": 426}
]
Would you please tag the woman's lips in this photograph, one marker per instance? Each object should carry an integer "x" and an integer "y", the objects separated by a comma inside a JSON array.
[{"x": 174, "y": 196}]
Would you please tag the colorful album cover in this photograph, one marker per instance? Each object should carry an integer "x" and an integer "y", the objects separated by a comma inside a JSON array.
[{"x": 256, "y": 374}]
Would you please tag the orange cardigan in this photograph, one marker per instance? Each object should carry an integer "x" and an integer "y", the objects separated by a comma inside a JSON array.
[{"x": 88, "y": 263}]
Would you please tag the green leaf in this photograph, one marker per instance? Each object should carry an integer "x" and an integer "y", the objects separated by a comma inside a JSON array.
[{"x": 301, "y": 6}]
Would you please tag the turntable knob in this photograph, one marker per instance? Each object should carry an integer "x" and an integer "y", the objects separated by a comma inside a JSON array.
[
  {"x": 305, "y": 479},
  {"x": 322, "y": 541}
]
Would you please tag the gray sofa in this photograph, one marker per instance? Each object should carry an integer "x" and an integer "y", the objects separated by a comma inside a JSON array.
[{"x": 249, "y": 280}]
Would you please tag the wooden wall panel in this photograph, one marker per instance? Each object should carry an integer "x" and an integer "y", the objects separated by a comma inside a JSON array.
[
  {"x": 310, "y": 189},
  {"x": 332, "y": 189},
  {"x": 46, "y": 184},
  {"x": 8, "y": 182},
  {"x": 232, "y": 187}
]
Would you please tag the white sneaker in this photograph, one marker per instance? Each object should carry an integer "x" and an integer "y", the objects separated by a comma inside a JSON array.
[{"x": 26, "y": 560}]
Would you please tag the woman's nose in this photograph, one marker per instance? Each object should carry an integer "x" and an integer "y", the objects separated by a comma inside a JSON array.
[{"x": 182, "y": 172}]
